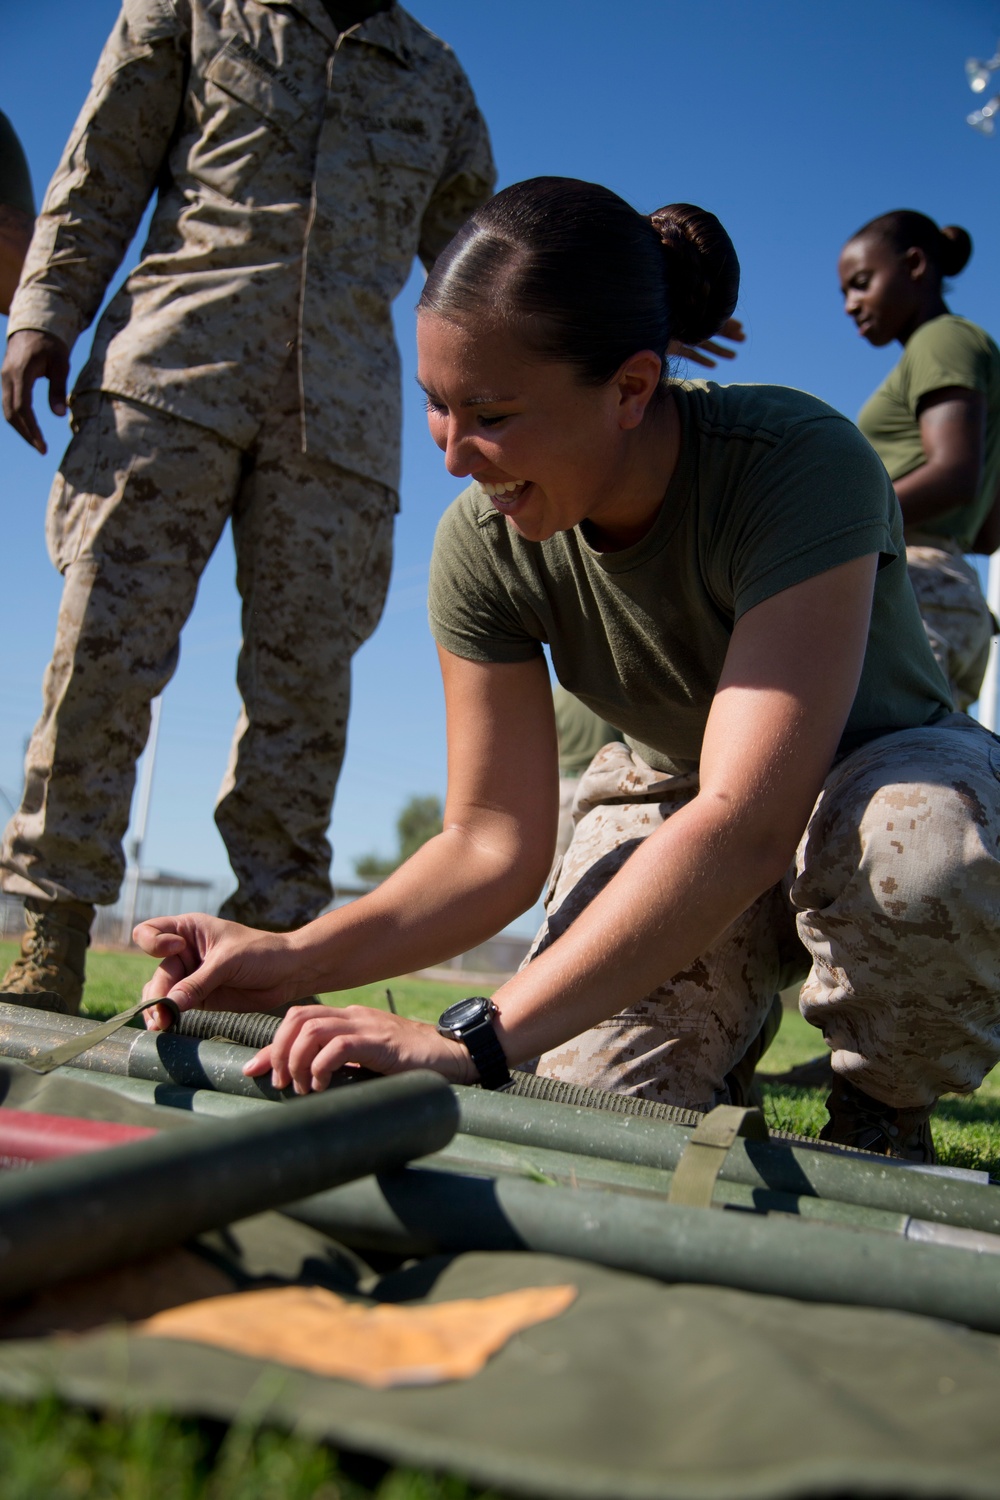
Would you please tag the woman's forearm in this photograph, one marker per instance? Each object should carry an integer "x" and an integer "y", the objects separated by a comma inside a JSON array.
[
  {"x": 674, "y": 897},
  {"x": 454, "y": 892}
]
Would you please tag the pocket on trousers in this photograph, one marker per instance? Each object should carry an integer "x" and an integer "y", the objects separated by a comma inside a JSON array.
[
  {"x": 364, "y": 609},
  {"x": 74, "y": 502}
]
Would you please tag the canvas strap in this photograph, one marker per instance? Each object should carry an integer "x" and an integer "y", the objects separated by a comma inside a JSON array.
[
  {"x": 74, "y": 1045},
  {"x": 698, "y": 1169}
]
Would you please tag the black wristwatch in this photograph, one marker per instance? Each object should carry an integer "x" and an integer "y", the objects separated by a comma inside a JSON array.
[{"x": 471, "y": 1023}]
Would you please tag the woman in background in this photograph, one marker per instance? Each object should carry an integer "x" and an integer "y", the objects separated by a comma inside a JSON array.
[{"x": 935, "y": 423}]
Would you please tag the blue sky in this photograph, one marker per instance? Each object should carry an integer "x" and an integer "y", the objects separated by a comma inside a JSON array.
[{"x": 794, "y": 122}]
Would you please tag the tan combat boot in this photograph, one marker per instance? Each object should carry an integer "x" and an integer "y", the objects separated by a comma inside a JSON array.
[{"x": 49, "y": 972}]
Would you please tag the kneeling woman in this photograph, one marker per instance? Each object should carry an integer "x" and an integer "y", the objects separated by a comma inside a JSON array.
[{"x": 720, "y": 573}]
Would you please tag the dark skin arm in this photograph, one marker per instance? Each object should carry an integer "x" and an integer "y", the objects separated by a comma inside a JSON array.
[
  {"x": 15, "y": 237},
  {"x": 988, "y": 536},
  {"x": 33, "y": 355},
  {"x": 953, "y": 436}
]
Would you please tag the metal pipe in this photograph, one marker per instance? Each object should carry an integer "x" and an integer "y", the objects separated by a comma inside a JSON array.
[
  {"x": 866, "y": 1180},
  {"x": 776, "y": 1166},
  {"x": 90, "y": 1213},
  {"x": 160, "y": 1056},
  {"x": 178, "y": 1098},
  {"x": 478, "y": 1155},
  {"x": 420, "y": 1211}
]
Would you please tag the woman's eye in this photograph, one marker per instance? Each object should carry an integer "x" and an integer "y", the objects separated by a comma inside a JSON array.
[
  {"x": 434, "y": 408},
  {"x": 492, "y": 421}
]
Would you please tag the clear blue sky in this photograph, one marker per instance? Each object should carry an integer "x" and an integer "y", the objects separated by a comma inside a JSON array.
[{"x": 794, "y": 122}]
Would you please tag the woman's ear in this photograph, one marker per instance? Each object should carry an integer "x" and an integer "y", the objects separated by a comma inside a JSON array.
[
  {"x": 916, "y": 263},
  {"x": 637, "y": 382}
]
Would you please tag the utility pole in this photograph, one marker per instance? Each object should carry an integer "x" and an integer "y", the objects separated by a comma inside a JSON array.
[
  {"x": 984, "y": 119},
  {"x": 132, "y": 875}
]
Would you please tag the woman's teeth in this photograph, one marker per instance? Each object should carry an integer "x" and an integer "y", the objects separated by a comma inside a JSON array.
[{"x": 509, "y": 487}]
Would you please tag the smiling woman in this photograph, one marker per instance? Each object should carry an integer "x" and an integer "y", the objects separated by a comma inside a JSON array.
[{"x": 720, "y": 573}]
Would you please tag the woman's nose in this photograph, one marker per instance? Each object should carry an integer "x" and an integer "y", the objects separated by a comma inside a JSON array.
[{"x": 461, "y": 455}]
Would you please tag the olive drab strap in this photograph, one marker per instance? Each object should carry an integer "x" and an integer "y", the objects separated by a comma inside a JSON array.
[
  {"x": 74, "y": 1045},
  {"x": 701, "y": 1162}
]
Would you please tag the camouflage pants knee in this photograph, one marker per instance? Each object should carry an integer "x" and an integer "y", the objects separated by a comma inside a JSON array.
[
  {"x": 956, "y": 616},
  {"x": 137, "y": 508},
  {"x": 890, "y": 906}
]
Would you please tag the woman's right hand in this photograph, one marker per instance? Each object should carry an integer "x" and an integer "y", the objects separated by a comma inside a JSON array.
[{"x": 207, "y": 960}]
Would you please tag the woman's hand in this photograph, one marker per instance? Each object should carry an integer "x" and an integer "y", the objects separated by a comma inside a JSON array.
[
  {"x": 313, "y": 1041},
  {"x": 708, "y": 352},
  {"x": 206, "y": 959}
]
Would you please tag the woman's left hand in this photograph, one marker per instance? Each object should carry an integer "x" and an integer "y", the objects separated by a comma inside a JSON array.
[
  {"x": 708, "y": 353},
  {"x": 313, "y": 1041}
]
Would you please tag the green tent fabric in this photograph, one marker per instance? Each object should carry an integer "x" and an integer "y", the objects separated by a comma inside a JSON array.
[{"x": 638, "y": 1390}]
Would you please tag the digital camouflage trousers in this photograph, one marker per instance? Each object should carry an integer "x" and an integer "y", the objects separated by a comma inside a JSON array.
[
  {"x": 956, "y": 616},
  {"x": 889, "y": 912},
  {"x": 139, "y": 504}
]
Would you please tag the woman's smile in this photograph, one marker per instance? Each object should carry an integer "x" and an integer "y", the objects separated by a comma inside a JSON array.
[{"x": 549, "y": 450}]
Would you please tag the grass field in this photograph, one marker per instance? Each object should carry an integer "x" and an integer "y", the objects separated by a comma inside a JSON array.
[{"x": 52, "y": 1452}]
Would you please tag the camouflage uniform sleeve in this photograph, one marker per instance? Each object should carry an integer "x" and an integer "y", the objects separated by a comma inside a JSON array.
[
  {"x": 468, "y": 179},
  {"x": 107, "y": 174}
]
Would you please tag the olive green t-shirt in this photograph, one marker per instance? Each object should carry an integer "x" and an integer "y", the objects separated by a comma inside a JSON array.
[
  {"x": 947, "y": 351},
  {"x": 772, "y": 487}
]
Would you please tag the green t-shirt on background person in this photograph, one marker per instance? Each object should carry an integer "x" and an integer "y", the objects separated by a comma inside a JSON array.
[
  {"x": 580, "y": 733},
  {"x": 946, "y": 352},
  {"x": 771, "y": 487}
]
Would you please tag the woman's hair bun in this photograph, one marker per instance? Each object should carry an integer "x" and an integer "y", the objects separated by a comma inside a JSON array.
[
  {"x": 948, "y": 249},
  {"x": 702, "y": 270},
  {"x": 956, "y": 247}
]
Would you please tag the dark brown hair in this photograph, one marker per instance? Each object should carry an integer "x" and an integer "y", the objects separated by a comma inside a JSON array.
[
  {"x": 947, "y": 250},
  {"x": 578, "y": 275}
]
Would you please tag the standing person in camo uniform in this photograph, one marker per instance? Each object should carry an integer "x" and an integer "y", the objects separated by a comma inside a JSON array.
[
  {"x": 935, "y": 423},
  {"x": 301, "y": 155}
]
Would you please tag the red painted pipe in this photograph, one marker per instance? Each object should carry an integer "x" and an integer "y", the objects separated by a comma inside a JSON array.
[{"x": 27, "y": 1138}]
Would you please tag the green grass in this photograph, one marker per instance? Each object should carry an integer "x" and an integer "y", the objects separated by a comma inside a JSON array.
[
  {"x": 115, "y": 980},
  {"x": 966, "y": 1128},
  {"x": 49, "y": 1451}
]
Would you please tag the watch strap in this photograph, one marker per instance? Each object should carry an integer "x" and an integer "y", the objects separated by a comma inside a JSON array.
[{"x": 488, "y": 1056}]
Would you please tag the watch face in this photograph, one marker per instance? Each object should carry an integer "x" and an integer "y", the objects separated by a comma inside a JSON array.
[{"x": 464, "y": 1013}]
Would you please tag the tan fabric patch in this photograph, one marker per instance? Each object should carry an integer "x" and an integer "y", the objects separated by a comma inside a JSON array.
[{"x": 312, "y": 1329}]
